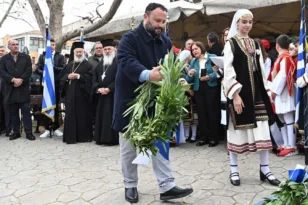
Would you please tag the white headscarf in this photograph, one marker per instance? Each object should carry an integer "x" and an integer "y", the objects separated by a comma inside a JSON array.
[
  {"x": 184, "y": 55},
  {"x": 237, "y": 16}
]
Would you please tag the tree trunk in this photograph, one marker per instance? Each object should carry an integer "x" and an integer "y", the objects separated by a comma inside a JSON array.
[
  {"x": 7, "y": 12},
  {"x": 38, "y": 16},
  {"x": 55, "y": 19}
]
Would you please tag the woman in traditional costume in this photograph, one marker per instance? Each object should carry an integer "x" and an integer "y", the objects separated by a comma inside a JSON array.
[{"x": 248, "y": 102}]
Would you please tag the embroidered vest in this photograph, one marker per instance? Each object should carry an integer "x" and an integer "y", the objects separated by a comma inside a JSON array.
[{"x": 243, "y": 64}]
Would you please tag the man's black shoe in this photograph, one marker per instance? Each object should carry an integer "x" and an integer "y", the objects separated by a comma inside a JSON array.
[
  {"x": 30, "y": 137},
  {"x": 202, "y": 143},
  {"x": 14, "y": 136},
  {"x": 131, "y": 195},
  {"x": 213, "y": 143},
  {"x": 175, "y": 193}
]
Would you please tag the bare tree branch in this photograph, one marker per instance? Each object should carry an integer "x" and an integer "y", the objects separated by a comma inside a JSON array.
[
  {"x": 7, "y": 12},
  {"x": 90, "y": 19},
  {"x": 97, "y": 11},
  {"x": 38, "y": 16},
  {"x": 21, "y": 19},
  {"x": 104, "y": 20}
]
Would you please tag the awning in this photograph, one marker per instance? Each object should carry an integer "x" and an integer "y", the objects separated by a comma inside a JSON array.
[{"x": 225, "y": 6}]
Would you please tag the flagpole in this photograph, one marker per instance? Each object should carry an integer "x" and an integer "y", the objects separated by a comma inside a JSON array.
[
  {"x": 132, "y": 19},
  {"x": 81, "y": 34},
  {"x": 305, "y": 90},
  {"x": 46, "y": 31}
]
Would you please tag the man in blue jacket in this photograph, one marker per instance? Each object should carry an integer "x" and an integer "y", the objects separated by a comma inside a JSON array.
[{"x": 139, "y": 52}]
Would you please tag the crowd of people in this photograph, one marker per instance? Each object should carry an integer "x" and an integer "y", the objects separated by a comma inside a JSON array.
[
  {"x": 85, "y": 86},
  {"x": 258, "y": 82}
]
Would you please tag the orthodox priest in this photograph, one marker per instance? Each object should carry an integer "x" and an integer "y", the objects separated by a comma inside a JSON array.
[
  {"x": 76, "y": 89},
  {"x": 103, "y": 87}
]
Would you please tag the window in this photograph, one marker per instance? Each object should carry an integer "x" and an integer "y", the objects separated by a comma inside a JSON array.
[
  {"x": 36, "y": 43},
  {"x": 21, "y": 43}
]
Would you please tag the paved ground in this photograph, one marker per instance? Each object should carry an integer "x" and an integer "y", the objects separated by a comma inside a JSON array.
[{"x": 48, "y": 171}]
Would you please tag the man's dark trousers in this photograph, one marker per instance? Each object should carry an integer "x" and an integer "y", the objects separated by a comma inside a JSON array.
[{"x": 26, "y": 117}]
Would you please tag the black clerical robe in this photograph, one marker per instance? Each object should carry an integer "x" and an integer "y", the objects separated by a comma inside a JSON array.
[
  {"x": 78, "y": 115},
  {"x": 104, "y": 77}
]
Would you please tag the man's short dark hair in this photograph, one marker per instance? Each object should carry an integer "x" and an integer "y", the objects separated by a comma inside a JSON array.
[
  {"x": 283, "y": 41},
  {"x": 115, "y": 43},
  {"x": 2, "y": 46},
  {"x": 153, "y": 6},
  {"x": 52, "y": 40},
  {"x": 67, "y": 55},
  {"x": 213, "y": 37}
]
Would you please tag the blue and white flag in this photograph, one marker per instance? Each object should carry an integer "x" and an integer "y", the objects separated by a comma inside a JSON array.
[
  {"x": 301, "y": 61},
  {"x": 48, "y": 82}
]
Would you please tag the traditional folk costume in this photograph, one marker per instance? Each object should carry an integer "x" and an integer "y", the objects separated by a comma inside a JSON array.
[
  {"x": 191, "y": 119},
  {"x": 282, "y": 78},
  {"x": 244, "y": 74},
  {"x": 303, "y": 80}
]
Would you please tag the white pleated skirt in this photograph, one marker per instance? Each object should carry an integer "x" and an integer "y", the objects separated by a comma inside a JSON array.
[
  {"x": 284, "y": 104},
  {"x": 249, "y": 140}
]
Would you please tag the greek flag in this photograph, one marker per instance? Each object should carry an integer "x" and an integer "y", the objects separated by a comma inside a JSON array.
[
  {"x": 301, "y": 62},
  {"x": 48, "y": 81}
]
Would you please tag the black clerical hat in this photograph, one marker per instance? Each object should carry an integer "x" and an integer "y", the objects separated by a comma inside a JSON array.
[
  {"x": 107, "y": 42},
  {"x": 75, "y": 45},
  {"x": 78, "y": 44}
]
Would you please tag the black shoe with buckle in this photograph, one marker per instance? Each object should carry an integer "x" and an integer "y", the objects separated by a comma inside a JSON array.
[
  {"x": 131, "y": 195},
  {"x": 236, "y": 182},
  {"x": 15, "y": 136},
  {"x": 175, "y": 193},
  {"x": 266, "y": 176}
]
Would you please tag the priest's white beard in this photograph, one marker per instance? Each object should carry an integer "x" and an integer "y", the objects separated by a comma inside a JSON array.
[
  {"x": 79, "y": 59},
  {"x": 108, "y": 58}
]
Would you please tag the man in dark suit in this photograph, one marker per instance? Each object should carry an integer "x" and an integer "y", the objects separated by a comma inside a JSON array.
[
  {"x": 15, "y": 71},
  {"x": 215, "y": 48},
  {"x": 5, "y": 125},
  {"x": 138, "y": 55},
  {"x": 213, "y": 42}
]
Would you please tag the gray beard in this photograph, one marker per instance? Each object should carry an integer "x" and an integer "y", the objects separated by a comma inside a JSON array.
[
  {"x": 108, "y": 59},
  {"x": 79, "y": 60}
]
